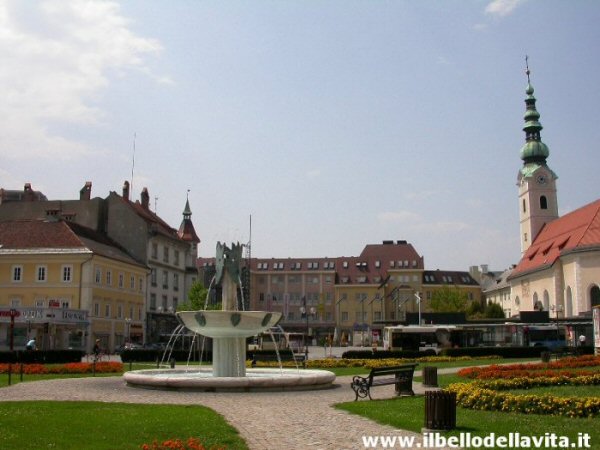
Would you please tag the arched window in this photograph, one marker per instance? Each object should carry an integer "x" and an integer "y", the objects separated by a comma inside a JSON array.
[
  {"x": 543, "y": 202},
  {"x": 569, "y": 301},
  {"x": 546, "y": 302},
  {"x": 595, "y": 296}
]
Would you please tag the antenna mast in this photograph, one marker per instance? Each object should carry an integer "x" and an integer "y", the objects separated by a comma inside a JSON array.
[{"x": 132, "y": 165}]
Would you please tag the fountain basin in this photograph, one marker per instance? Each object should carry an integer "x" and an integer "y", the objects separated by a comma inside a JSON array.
[
  {"x": 202, "y": 379},
  {"x": 229, "y": 324}
]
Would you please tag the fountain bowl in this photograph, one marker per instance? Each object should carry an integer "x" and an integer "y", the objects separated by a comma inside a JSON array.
[
  {"x": 228, "y": 324},
  {"x": 201, "y": 379}
]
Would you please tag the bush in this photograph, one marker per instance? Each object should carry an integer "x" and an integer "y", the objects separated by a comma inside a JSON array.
[
  {"x": 145, "y": 355},
  {"x": 504, "y": 352},
  {"x": 42, "y": 356},
  {"x": 387, "y": 354}
]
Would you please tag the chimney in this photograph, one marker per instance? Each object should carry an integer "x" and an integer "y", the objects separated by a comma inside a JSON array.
[
  {"x": 28, "y": 194},
  {"x": 126, "y": 190},
  {"x": 484, "y": 268},
  {"x": 145, "y": 198},
  {"x": 86, "y": 191}
]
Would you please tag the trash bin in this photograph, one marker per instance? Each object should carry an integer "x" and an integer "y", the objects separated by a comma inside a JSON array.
[
  {"x": 440, "y": 410},
  {"x": 430, "y": 377},
  {"x": 545, "y": 356}
]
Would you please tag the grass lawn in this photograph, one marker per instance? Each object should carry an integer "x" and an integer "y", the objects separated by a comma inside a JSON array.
[
  {"x": 409, "y": 413},
  {"x": 96, "y": 425}
]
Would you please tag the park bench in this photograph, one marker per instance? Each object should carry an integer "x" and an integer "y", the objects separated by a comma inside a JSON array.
[
  {"x": 284, "y": 356},
  {"x": 401, "y": 376}
]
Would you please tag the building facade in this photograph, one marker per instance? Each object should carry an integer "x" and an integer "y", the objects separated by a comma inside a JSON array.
[{"x": 67, "y": 286}]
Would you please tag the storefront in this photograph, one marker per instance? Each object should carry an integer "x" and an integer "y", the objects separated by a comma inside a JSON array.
[{"x": 53, "y": 328}]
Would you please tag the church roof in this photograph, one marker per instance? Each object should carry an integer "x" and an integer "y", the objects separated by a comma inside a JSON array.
[{"x": 577, "y": 231}]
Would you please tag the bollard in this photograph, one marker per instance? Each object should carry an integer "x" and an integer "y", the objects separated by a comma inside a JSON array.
[
  {"x": 172, "y": 362},
  {"x": 545, "y": 356},
  {"x": 440, "y": 410},
  {"x": 21, "y": 372},
  {"x": 430, "y": 378}
]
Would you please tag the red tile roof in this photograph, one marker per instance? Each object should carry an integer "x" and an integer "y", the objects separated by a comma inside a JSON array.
[{"x": 578, "y": 230}]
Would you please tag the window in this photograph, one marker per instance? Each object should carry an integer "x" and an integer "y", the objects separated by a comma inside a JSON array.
[
  {"x": 175, "y": 281},
  {"x": 165, "y": 279},
  {"x": 98, "y": 275},
  {"x": 41, "y": 273},
  {"x": 15, "y": 302},
  {"x": 377, "y": 315},
  {"x": 17, "y": 273},
  {"x": 152, "y": 302},
  {"x": 176, "y": 257},
  {"x": 119, "y": 311},
  {"x": 175, "y": 303},
  {"x": 345, "y": 264},
  {"x": 107, "y": 311},
  {"x": 344, "y": 316},
  {"x": 108, "y": 278},
  {"x": 67, "y": 274},
  {"x": 543, "y": 202},
  {"x": 132, "y": 282},
  {"x": 40, "y": 303},
  {"x": 154, "y": 251},
  {"x": 97, "y": 309},
  {"x": 140, "y": 284},
  {"x": 164, "y": 302},
  {"x": 328, "y": 316},
  {"x": 153, "y": 277},
  {"x": 166, "y": 254},
  {"x": 392, "y": 264},
  {"x": 121, "y": 280}
]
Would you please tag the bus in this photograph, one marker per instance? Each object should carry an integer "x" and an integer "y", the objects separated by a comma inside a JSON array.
[
  {"x": 420, "y": 338},
  {"x": 549, "y": 336}
]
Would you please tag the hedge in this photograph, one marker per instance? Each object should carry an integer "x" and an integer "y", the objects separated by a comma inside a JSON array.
[
  {"x": 504, "y": 352},
  {"x": 144, "y": 355},
  {"x": 387, "y": 354},
  {"x": 41, "y": 356}
]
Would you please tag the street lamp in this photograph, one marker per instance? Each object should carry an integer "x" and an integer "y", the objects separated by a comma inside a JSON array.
[
  {"x": 13, "y": 313},
  {"x": 305, "y": 313},
  {"x": 557, "y": 309},
  {"x": 128, "y": 323},
  {"x": 418, "y": 298}
]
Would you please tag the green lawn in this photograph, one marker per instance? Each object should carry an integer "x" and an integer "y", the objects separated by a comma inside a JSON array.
[
  {"x": 409, "y": 413},
  {"x": 95, "y": 425}
]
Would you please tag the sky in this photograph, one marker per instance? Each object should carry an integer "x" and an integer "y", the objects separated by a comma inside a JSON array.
[{"x": 332, "y": 124}]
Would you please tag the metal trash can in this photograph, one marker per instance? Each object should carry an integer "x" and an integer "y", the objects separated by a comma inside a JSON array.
[
  {"x": 545, "y": 356},
  {"x": 430, "y": 377},
  {"x": 440, "y": 410}
]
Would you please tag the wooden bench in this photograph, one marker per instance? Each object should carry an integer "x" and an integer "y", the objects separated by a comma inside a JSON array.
[
  {"x": 284, "y": 356},
  {"x": 401, "y": 376}
]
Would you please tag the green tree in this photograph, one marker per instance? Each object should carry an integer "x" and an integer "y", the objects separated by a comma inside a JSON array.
[
  {"x": 449, "y": 300},
  {"x": 196, "y": 298},
  {"x": 494, "y": 311},
  {"x": 475, "y": 310}
]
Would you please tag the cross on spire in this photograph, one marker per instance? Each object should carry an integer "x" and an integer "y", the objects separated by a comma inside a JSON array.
[{"x": 527, "y": 71}]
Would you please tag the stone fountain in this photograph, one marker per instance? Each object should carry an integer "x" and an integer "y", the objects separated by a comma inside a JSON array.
[{"x": 229, "y": 328}]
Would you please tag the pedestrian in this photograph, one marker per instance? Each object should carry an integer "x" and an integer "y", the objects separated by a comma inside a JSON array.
[
  {"x": 31, "y": 345},
  {"x": 97, "y": 349}
]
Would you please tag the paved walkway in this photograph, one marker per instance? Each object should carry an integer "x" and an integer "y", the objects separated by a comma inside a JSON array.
[{"x": 266, "y": 421}]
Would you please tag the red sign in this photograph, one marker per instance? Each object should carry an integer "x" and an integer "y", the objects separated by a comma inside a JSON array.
[{"x": 10, "y": 313}]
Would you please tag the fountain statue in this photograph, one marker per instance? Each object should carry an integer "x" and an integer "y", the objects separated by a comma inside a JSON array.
[{"x": 229, "y": 328}]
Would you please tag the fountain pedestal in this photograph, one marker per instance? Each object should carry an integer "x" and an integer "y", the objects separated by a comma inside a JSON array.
[{"x": 229, "y": 357}]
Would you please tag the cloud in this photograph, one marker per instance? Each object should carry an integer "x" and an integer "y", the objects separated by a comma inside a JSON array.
[
  {"x": 314, "y": 173},
  {"x": 502, "y": 8},
  {"x": 56, "y": 58}
]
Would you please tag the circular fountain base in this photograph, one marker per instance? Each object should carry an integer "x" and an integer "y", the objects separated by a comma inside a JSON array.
[{"x": 201, "y": 379}]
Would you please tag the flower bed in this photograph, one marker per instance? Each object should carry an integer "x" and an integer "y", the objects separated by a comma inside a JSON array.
[
  {"x": 520, "y": 370},
  {"x": 68, "y": 368},
  {"x": 486, "y": 395},
  {"x": 331, "y": 363},
  {"x": 178, "y": 444}
]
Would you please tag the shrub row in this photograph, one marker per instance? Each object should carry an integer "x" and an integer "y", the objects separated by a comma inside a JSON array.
[
  {"x": 505, "y": 352},
  {"x": 145, "y": 355},
  {"x": 41, "y": 356},
  {"x": 386, "y": 354},
  {"x": 485, "y": 395}
]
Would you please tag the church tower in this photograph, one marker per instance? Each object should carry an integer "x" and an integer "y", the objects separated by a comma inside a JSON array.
[{"x": 538, "y": 203}]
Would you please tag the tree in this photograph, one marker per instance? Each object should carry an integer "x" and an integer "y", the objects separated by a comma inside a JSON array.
[
  {"x": 449, "y": 300},
  {"x": 494, "y": 311},
  {"x": 475, "y": 310},
  {"x": 196, "y": 298}
]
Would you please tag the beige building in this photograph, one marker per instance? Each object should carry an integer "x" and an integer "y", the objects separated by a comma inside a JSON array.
[{"x": 67, "y": 285}]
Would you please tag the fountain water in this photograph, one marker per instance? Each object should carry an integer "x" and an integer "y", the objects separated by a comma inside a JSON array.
[{"x": 229, "y": 328}]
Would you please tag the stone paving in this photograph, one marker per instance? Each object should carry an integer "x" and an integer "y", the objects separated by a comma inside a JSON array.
[{"x": 267, "y": 420}]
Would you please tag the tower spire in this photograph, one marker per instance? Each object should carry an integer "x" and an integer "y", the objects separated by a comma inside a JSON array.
[{"x": 534, "y": 150}]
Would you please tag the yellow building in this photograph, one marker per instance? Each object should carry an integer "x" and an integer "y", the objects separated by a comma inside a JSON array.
[{"x": 67, "y": 285}]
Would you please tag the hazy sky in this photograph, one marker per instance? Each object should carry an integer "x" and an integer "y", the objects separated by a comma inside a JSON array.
[{"x": 335, "y": 124}]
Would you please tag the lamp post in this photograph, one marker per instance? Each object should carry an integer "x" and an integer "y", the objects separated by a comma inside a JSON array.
[
  {"x": 13, "y": 313},
  {"x": 305, "y": 313},
  {"x": 418, "y": 297},
  {"x": 128, "y": 324},
  {"x": 557, "y": 309}
]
